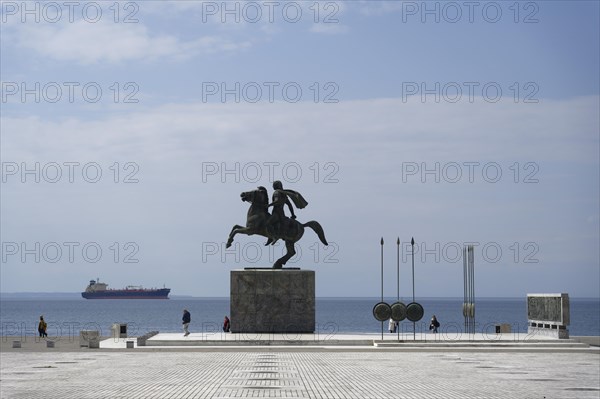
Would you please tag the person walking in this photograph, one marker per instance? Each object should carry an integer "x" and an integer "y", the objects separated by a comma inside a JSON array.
[
  {"x": 434, "y": 325},
  {"x": 187, "y": 318},
  {"x": 226, "y": 324},
  {"x": 392, "y": 325},
  {"x": 42, "y": 327}
]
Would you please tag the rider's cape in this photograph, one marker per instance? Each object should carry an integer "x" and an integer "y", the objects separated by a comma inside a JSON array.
[{"x": 297, "y": 198}]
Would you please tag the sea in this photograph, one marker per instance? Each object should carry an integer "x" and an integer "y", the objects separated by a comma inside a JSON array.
[{"x": 66, "y": 317}]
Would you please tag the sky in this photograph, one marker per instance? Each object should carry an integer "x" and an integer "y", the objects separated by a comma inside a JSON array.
[{"x": 129, "y": 130}]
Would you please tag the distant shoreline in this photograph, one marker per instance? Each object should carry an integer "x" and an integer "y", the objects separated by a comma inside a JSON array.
[
  {"x": 63, "y": 295},
  {"x": 77, "y": 295}
]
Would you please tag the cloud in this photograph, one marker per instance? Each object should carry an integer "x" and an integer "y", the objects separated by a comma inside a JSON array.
[
  {"x": 173, "y": 208},
  {"x": 86, "y": 43},
  {"x": 175, "y": 7},
  {"x": 378, "y": 8},
  {"x": 564, "y": 130},
  {"x": 330, "y": 29}
]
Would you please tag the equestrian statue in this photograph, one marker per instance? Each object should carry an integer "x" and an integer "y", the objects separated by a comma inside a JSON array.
[{"x": 275, "y": 225}]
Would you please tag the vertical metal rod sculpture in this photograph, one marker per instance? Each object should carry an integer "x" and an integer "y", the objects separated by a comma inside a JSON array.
[
  {"x": 465, "y": 300},
  {"x": 412, "y": 244},
  {"x": 382, "y": 283},
  {"x": 469, "y": 288},
  {"x": 398, "y": 275},
  {"x": 472, "y": 263}
]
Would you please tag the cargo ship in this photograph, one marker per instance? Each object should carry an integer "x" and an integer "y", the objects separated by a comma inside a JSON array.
[{"x": 98, "y": 290}]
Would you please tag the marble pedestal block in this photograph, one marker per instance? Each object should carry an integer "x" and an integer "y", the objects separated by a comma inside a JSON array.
[{"x": 272, "y": 301}]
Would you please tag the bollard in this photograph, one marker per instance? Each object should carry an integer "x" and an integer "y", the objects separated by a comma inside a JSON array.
[{"x": 503, "y": 328}]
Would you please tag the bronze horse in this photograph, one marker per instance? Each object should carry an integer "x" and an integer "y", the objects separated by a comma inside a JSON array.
[{"x": 256, "y": 223}]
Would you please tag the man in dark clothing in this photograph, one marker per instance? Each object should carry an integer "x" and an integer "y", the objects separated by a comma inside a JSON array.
[
  {"x": 435, "y": 324},
  {"x": 42, "y": 327},
  {"x": 187, "y": 318}
]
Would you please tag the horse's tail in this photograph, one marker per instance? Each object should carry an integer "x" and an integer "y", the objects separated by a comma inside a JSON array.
[{"x": 313, "y": 224}]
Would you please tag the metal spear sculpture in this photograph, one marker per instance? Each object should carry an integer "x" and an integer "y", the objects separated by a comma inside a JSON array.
[
  {"x": 412, "y": 245},
  {"x": 382, "y": 311},
  {"x": 397, "y": 311},
  {"x": 398, "y": 308},
  {"x": 414, "y": 310},
  {"x": 382, "y": 283},
  {"x": 398, "y": 281}
]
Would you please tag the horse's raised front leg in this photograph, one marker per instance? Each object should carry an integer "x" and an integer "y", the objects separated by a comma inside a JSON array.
[{"x": 236, "y": 229}]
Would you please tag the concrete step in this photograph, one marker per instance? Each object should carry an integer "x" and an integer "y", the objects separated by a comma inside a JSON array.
[
  {"x": 491, "y": 344},
  {"x": 491, "y": 349},
  {"x": 258, "y": 342},
  {"x": 558, "y": 346}
]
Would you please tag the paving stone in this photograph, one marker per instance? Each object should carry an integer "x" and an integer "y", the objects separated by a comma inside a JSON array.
[{"x": 326, "y": 374}]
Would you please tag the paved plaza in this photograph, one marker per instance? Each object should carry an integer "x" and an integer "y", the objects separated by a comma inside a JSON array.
[{"x": 276, "y": 372}]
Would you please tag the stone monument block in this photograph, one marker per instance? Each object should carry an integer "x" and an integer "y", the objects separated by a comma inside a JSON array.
[
  {"x": 548, "y": 314},
  {"x": 272, "y": 301}
]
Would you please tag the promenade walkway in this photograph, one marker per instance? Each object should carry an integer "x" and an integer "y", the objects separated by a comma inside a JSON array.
[{"x": 296, "y": 371}]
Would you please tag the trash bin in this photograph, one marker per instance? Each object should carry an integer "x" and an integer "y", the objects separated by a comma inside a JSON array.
[
  {"x": 119, "y": 330},
  {"x": 49, "y": 344},
  {"x": 130, "y": 344},
  {"x": 503, "y": 328}
]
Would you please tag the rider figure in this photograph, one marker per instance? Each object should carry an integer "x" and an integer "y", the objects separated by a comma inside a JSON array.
[{"x": 278, "y": 218}]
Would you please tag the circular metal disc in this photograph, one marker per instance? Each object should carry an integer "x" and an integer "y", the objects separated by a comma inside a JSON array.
[
  {"x": 382, "y": 311},
  {"x": 398, "y": 311},
  {"x": 414, "y": 311}
]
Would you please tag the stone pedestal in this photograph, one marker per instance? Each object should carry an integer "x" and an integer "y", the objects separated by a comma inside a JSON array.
[{"x": 272, "y": 301}]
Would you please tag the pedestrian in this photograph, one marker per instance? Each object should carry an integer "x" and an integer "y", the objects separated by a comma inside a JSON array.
[
  {"x": 226, "y": 324},
  {"x": 392, "y": 325},
  {"x": 187, "y": 318},
  {"x": 42, "y": 327},
  {"x": 434, "y": 325}
]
